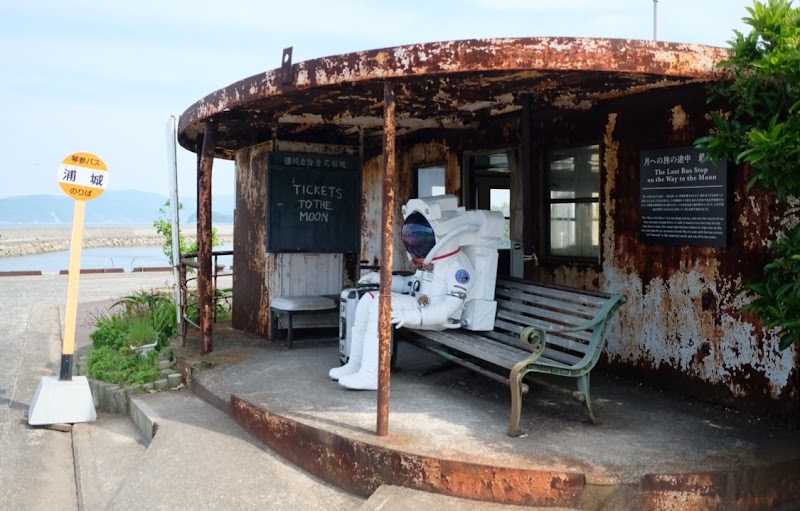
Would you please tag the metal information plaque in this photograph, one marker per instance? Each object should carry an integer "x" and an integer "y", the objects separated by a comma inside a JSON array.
[{"x": 683, "y": 200}]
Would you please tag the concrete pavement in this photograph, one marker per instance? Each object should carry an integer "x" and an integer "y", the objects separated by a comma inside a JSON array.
[
  {"x": 200, "y": 458},
  {"x": 36, "y": 465}
]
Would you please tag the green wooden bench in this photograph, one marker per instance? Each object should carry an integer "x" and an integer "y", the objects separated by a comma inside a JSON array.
[{"x": 538, "y": 329}]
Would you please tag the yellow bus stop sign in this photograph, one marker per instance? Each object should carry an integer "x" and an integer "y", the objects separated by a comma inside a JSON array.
[
  {"x": 68, "y": 399},
  {"x": 83, "y": 176}
]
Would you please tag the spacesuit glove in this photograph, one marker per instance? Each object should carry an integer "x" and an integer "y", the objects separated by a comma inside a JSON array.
[
  {"x": 407, "y": 318},
  {"x": 370, "y": 279}
]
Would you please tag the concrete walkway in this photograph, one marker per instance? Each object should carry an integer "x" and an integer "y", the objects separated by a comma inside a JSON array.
[
  {"x": 447, "y": 431},
  {"x": 650, "y": 448}
]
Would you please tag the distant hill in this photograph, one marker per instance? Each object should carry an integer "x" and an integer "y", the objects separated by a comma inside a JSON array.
[{"x": 115, "y": 207}]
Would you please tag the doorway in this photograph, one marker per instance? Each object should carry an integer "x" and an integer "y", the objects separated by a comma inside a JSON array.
[{"x": 488, "y": 187}]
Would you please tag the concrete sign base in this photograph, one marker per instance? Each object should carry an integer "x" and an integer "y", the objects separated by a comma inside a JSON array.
[{"x": 57, "y": 402}]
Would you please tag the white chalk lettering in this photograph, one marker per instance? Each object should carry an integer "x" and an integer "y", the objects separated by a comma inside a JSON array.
[
  {"x": 333, "y": 192},
  {"x": 313, "y": 216}
]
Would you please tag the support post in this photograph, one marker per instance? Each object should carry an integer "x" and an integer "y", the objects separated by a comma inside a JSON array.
[
  {"x": 172, "y": 169},
  {"x": 387, "y": 261},
  {"x": 205, "y": 299},
  {"x": 529, "y": 202}
]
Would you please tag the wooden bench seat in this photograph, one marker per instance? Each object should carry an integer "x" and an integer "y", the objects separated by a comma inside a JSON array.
[
  {"x": 290, "y": 306},
  {"x": 538, "y": 329}
]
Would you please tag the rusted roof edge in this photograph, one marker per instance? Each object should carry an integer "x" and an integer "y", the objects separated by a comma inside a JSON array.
[{"x": 465, "y": 56}]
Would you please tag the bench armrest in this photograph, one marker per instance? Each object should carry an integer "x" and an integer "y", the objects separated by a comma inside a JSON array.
[
  {"x": 608, "y": 309},
  {"x": 534, "y": 337}
]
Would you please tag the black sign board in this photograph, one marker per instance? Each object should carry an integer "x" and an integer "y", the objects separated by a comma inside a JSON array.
[
  {"x": 684, "y": 200},
  {"x": 313, "y": 203}
]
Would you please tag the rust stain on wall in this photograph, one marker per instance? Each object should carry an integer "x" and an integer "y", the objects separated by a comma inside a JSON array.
[
  {"x": 683, "y": 302},
  {"x": 251, "y": 296},
  {"x": 410, "y": 157}
]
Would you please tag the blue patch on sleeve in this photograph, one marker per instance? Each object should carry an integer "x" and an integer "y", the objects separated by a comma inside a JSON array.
[{"x": 462, "y": 276}]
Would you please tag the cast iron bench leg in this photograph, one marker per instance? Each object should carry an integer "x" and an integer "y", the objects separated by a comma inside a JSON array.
[
  {"x": 584, "y": 397},
  {"x": 289, "y": 330}
]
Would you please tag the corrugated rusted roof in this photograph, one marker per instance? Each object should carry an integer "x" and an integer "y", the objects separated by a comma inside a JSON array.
[{"x": 450, "y": 85}]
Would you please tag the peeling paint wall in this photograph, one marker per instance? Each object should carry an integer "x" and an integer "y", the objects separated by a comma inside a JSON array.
[
  {"x": 259, "y": 276},
  {"x": 681, "y": 327},
  {"x": 409, "y": 158},
  {"x": 250, "y": 292}
]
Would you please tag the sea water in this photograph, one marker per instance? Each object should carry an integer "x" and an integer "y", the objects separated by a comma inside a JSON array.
[{"x": 126, "y": 258}]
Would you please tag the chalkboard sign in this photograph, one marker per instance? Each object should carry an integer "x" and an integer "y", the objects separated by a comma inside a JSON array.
[
  {"x": 684, "y": 200},
  {"x": 313, "y": 203}
]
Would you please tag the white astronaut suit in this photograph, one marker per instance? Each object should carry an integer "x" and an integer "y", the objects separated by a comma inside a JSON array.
[{"x": 454, "y": 253}]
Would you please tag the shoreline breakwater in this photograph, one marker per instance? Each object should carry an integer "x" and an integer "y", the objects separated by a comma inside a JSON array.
[{"x": 22, "y": 241}]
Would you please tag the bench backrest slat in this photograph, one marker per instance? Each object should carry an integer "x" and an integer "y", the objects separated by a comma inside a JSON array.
[
  {"x": 509, "y": 297},
  {"x": 528, "y": 316},
  {"x": 521, "y": 304}
]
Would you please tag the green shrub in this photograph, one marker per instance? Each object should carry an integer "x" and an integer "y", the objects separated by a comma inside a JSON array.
[
  {"x": 761, "y": 129},
  {"x": 135, "y": 320},
  {"x": 124, "y": 367}
]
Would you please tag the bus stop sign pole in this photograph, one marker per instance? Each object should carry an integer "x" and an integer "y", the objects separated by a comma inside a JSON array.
[{"x": 68, "y": 399}]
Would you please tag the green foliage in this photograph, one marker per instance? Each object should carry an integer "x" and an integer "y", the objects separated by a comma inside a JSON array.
[
  {"x": 762, "y": 130},
  {"x": 778, "y": 294},
  {"x": 123, "y": 367},
  {"x": 222, "y": 302},
  {"x": 135, "y": 320},
  {"x": 158, "y": 309},
  {"x": 163, "y": 225}
]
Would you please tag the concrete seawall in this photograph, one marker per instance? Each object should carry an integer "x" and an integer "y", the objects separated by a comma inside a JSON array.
[{"x": 21, "y": 241}]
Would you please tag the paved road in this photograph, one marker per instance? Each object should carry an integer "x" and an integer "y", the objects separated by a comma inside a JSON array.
[
  {"x": 199, "y": 459},
  {"x": 36, "y": 464}
]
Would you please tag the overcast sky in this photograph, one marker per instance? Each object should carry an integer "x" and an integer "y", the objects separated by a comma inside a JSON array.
[{"x": 104, "y": 76}]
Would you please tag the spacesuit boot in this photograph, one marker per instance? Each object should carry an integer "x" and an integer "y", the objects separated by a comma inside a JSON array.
[
  {"x": 357, "y": 341},
  {"x": 367, "y": 376},
  {"x": 353, "y": 363}
]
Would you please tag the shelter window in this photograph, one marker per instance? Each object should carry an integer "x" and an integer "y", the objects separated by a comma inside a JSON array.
[
  {"x": 572, "y": 200},
  {"x": 430, "y": 181}
]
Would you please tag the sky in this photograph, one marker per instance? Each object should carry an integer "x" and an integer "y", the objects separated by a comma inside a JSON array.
[{"x": 105, "y": 76}]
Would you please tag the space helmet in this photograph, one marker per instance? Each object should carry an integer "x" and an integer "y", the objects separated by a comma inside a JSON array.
[{"x": 418, "y": 235}]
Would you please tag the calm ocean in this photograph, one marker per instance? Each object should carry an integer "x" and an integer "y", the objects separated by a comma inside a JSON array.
[{"x": 126, "y": 258}]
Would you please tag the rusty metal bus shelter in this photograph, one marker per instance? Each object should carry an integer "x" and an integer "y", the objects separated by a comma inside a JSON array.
[{"x": 371, "y": 99}]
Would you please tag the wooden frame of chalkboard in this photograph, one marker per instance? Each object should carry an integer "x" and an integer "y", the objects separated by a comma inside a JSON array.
[
  {"x": 313, "y": 203},
  {"x": 683, "y": 198}
]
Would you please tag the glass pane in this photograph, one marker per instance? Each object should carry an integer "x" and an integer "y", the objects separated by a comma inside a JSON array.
[
  {"x": 430, "y": 181},
  {"x": 500, "y": 200},
  {"x": 574, "y": 173},
  {"x": 575, "y": 229}
]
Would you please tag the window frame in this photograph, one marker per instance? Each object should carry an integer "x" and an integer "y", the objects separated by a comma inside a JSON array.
[
  {"x": 548, "y": 201},
  {"x": 423, "y": 168}
]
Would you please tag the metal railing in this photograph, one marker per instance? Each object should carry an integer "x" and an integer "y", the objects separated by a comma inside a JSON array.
[{"x": 189, "y": 260}]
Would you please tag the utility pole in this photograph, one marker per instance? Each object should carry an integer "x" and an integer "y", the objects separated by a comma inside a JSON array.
[{"x": 655, "y": 20}]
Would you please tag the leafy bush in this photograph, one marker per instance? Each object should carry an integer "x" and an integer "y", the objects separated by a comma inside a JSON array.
[
  {"x": 762, "y": 130},
  {"x": 135, "y": 320},
  {"x": 124, "y": 367},
  {"x": 163, "y": 225},
  {"x": 224, "y": 311}
]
